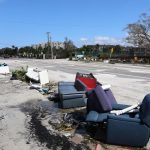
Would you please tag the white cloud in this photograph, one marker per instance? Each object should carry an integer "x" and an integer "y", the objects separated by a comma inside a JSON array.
[
  {"x": 83, "y": 39},
  {"x": 102, "y": 40},
  {"x": 109, "y": 40},
  {"x": 106, "y": 40}
]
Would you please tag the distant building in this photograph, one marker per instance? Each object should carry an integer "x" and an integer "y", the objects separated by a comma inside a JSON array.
[{"x": 56, "y": 45}]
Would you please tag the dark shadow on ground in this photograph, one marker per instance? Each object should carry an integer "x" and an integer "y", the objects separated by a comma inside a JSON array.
[{"x": 36, "y": 112}]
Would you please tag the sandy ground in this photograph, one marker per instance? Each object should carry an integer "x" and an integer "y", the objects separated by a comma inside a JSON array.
[
  {"x": 14, "y": 134},
  {"x": 12, "y": 126}
]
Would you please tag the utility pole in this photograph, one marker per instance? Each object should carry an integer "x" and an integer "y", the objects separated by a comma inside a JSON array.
[
  {"x": 51, "y": 48},
  {"x": 50, "y": 41}
]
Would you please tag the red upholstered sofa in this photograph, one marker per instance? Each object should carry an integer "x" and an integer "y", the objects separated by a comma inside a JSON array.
[{"x": 88, "y": 79}]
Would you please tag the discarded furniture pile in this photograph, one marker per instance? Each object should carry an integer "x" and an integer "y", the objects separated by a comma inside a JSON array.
[{"x": 122, "y": 124}]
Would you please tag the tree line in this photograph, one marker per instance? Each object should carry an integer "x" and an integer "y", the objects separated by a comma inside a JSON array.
[
  {"x": 39, "y": 51},
  {"x": 138, "y": 37}
]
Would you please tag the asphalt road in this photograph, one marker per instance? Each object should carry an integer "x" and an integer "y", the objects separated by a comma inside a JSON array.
[
  {"x": 136, "y": 71},
  {"x": 121, "y": 70}
]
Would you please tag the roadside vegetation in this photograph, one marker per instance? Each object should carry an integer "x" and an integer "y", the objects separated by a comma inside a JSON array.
[{"x": 19, "y": 74}]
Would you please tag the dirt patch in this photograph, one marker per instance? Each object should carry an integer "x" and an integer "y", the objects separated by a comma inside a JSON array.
[
  {"x": 44, "y": 136},
  {"x": 50, "y": 139}
]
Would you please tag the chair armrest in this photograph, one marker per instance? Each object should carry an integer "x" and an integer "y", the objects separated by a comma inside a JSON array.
[{"x": 119, "y": 106}]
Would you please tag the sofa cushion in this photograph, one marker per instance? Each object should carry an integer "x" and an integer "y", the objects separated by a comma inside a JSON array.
[
  {"x": 103, "y": 98},
  {"x": 93, "y": 116},
  {"x": 93, "y": 103},
  {"x": 98, "y": 100},
  {"x": 110, "y": 96},
  {"x": 66, "y": 89}
]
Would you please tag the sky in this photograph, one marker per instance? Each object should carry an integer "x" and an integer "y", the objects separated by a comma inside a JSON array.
[{"x": 25, "y": 22}]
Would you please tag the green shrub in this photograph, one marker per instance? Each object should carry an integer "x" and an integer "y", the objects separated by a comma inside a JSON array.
[{"x": 19, "y": 74}]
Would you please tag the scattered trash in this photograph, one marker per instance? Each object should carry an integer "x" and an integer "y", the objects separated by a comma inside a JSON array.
[
  {"x": 33, "y": 74},
  {"x": 41, "y": 77},
  {"x": 3, "y": 65},
  {"x": 37, "y": 75},
  {"x": 1, "y": 117},
  {"x": 35, "y": 86},
  {"x": 44, "y": 77},
  {"x": 4, "y": 69},
  {"x": 67, "y": 134},
  {"x": 74, "y": 118},
  {"x": 54, "y": 97},
  {"x": 43, "y": 89}
]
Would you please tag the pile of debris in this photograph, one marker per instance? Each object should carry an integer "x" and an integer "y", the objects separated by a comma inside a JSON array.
[
  {"x": 39, "y": 80},
  {"x": 117, "y": 120},
  {"x": 101, "y": 109}
]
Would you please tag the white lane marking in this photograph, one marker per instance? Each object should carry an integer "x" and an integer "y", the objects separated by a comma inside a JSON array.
[
  {"x": 100, "y": 70},
  {"x": 140, "y": 71},
  {"x": 48, "y": 66},
  {"x": 132, "y": 76}
]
